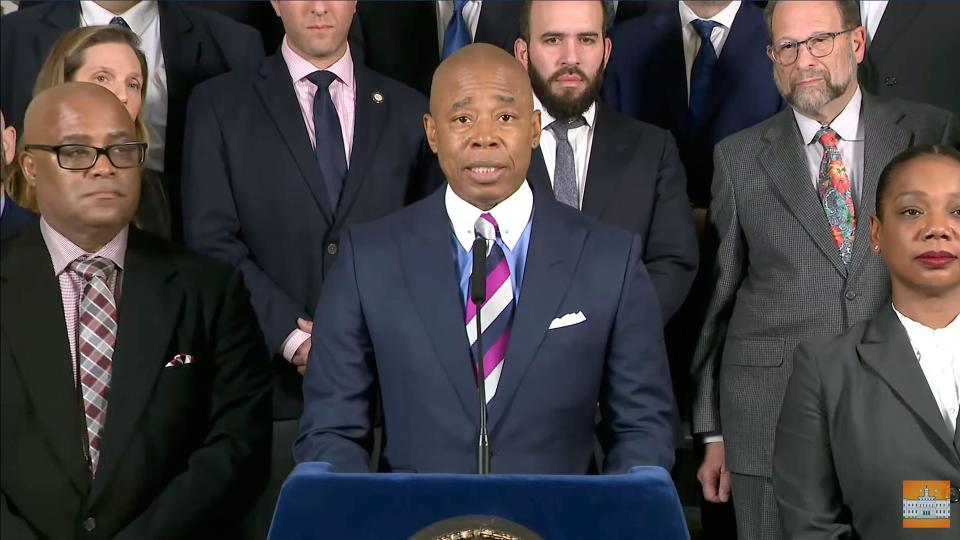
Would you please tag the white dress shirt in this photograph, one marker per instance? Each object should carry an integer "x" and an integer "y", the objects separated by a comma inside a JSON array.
[
  {"x": 581, "y": 140},
  {"x": 512, "y": 215},
  {"x": 938, "y": 352},
  {"x": 691, "y": 39},
  {"x": 144, "y": 19},
  {"x": 849, "y": 129},
  {"x": 871, "y": 12},
  {"x": 471, "y": 16}
]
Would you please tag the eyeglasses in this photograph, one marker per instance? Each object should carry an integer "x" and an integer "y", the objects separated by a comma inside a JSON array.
[
  {"x": 80, "y": 157},
  {"x": 819, "y": 45}
]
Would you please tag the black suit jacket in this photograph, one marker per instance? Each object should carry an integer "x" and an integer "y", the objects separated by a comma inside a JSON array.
[
  {"x": 912, "y": 54},
  {"x": 635, "y": 181},
  {"x": 253, "y": 195},
  {"x": 859, "y": 418},
  {"x": 14, "y": 218},
  {"x": 197, "y": 44},
  {"x": 185, "y": 448},
  {"x": 400, "y": 37}
]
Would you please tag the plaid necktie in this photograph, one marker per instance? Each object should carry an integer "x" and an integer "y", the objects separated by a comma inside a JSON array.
[
  {"x": 496, "y": 311},
  {"x": 96, "y": 338},
  {"x": 834, "y": 188}
]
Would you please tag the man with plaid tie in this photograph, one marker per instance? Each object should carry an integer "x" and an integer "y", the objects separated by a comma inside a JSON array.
[
  {"x": 136, "y": 397},
  {"x": 569, "y": 320}
]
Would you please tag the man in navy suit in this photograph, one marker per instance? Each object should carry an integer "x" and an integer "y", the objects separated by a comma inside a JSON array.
[
  {"x": 572, "y": 320},
  {"x": 278, "y": 161},
  {"x": 624, "y": 172},
  {"x": 12, "y": 216}
]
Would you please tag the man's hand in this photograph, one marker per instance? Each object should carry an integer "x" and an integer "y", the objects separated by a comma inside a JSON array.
[
  {"x": 713, "y": 474},
  {"x": 303, "y": 351}
]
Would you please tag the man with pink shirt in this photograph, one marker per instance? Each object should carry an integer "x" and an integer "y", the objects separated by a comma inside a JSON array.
[
  {"x": 136, "y": 402},
  {"x": 280, "y": 160}
]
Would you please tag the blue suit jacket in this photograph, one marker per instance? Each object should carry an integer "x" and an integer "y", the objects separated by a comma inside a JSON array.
[
  {"x": 390, "y": 319},
  {"x": 253, "y": 196},
  {"x": 14, "y": 218},
  {"x": 647, "y": 80}
]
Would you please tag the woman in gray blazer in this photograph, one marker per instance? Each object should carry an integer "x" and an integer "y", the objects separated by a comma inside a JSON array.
[{"x": 867, "y": 444}]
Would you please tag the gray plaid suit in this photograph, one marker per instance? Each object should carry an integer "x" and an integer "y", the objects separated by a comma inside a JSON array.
[{"x": 780, "y": 279}]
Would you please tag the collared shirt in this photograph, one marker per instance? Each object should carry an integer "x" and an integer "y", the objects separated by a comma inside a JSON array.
[
  {"x": 62, "y": 253},
  {"x": 718, "y": 36},
  {"x": 513, "y": 215},
  {"x": 849, "y": 128},
  {"x": 471, "y": 16},
  {"x": 938, "y": 352},
  {"x": 581, "y": 140},
  {"x": 144, "y": 20},
  {"x": 343, "y": 92},
  {"x": 870, "y": 14}
]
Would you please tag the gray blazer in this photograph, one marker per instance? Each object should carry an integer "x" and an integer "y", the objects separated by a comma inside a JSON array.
[
  {"x": 779, "y": 276},
  {"x": 858, "y": 419}
]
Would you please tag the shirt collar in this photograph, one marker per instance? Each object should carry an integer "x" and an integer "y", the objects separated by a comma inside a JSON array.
[
  {"x": 919, "y": 333},
  {"x": 63, "y": 251},
  {"x": 846, "y": 124},
  {"x": 545, "y": 119},
  {"x": 725, "y": 17},
  {"x": 512, "y": 215},
  {"x": 138, "y": 18},
  {"x": 299, "y": 67}
]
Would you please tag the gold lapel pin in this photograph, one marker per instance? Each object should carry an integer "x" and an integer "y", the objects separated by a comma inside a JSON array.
[{"x": 377, "y": 97}]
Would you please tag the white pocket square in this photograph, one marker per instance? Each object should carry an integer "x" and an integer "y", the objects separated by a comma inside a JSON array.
[
  {"x": 569, "y": 319},
  {"x": 180, "y": 360}
]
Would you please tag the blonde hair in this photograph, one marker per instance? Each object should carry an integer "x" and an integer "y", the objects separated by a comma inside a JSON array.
[{"x": 65, "y": 59}]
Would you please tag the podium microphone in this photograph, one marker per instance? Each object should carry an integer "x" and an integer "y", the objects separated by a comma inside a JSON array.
[{"x": 478, "y": 293}]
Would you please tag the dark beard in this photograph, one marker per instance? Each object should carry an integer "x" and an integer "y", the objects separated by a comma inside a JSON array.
[{"x": 566, "y": 106}]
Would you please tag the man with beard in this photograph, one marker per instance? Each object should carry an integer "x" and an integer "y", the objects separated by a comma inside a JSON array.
[
  {"x": 622, "y": 171},
  {"x": 790, "y": 205}
]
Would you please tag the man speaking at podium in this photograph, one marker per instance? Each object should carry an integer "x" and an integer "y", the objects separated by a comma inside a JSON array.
[{"x": 569, "y": 319}]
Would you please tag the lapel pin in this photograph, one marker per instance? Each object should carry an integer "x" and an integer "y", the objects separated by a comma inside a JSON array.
[{"x": 377, "y": 97}]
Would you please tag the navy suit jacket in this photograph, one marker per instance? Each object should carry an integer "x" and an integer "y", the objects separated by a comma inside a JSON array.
[
  {"x": 253, "y": 194},
  {"x": 635, "y": 181},
  {"x": 646, "y": 79},
  {"x": 197, "y": 44},
  {"x": 14, "y": 218},
  {"x": 390, "y": 319}
]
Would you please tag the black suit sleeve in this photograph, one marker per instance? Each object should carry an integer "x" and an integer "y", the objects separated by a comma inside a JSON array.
[
  {"x": 227, "y": 471},
  {"x": 11, "y": 525},
  {"x": 804, "y": 480}
]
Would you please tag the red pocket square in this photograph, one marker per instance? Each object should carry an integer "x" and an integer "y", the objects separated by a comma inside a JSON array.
[{"x": 180, "y": 360}]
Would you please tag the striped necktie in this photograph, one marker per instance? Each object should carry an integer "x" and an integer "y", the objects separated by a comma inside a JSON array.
[{"x": 496, "y": 311}]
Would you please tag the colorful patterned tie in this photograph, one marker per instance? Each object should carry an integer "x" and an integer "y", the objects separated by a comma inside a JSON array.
[
  {"x": 496, "y": 311},
  {"x": 834, "y": 189},
  {"x": 96, "y": 338}
]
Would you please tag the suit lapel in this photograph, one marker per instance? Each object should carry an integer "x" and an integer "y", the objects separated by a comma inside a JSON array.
[
  {"x": 60, "y": 18},
  {"x": 608, "y": 154},
  {"x": 371, "y": 117},
  {"x": 280, "y": 100},
  {"x": 537, "y": 174},
  {"x": 673, "y": 68},
  {"x": 429, "y": 269},
  {"x": 886, "y": 349},
  {"x": 555, "y": 246},
  {"x": 895, "y": 22},
  {"x": 150, "y": 307},
  {"x": 31, "y": 303},
  {"x": 786, "y": 167}
]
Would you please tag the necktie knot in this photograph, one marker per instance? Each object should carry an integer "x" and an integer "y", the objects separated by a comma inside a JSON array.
[
  {"x": 118, "y": 21},
  {"x": 827, "y": 137},
  {"x": 561, "y": 127},
  {"x": 704, "y": 28},
  {"x": 322, "y": 78},
  {"x": 458, "y": 7},
  {"x": 486, "y": 227},
  {"x": 93, "y": 267}
]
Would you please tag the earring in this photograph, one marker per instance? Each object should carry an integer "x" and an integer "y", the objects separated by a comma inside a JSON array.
[{"x": 876, "y": 248}]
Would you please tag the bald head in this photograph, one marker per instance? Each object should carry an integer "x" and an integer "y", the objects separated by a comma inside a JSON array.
[
  {"x": 51, "y": 107},
  {"x": 476, "y": 59}
]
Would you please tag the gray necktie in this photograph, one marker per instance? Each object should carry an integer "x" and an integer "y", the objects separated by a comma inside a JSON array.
[{"x": 565, "y": 169}]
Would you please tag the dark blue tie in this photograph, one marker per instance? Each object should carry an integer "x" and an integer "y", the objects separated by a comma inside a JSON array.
[
  {"x": 331, "y": 155},
  {"x": 456, "y": 36},
  {"x": 702, "y": 71}
]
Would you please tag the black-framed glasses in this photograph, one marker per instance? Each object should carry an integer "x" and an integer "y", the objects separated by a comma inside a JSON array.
[
  {"x": 819, "y": 45},
  {"x": 80, "y": 157}
]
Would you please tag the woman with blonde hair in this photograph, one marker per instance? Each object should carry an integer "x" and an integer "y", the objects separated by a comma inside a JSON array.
[{"x": 111, "y": 57}]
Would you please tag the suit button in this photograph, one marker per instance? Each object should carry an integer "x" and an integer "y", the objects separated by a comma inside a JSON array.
[
  {"x": 850, "y": 295},
  {"x": 332, "y": 248},
  {"x": 89, "y": 524},
  {"x": 954, "y": 494},
  {"x": 890, "y": 81}
]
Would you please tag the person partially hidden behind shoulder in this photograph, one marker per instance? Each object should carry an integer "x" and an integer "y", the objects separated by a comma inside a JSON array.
[
  {"x": 570, "y": 317},
  {"x": 136, "y": 389},
  {"x": 866, "y": 411}
]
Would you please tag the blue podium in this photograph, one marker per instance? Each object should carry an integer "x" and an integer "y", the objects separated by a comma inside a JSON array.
[{"x": 317, "y": 503}]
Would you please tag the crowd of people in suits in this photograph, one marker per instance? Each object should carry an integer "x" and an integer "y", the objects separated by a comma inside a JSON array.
[{"x": 735, "y": 221}]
